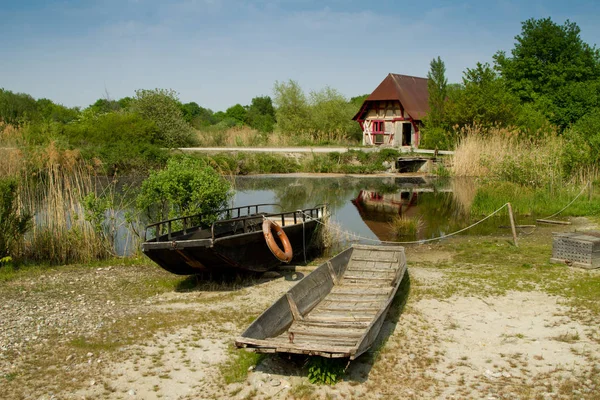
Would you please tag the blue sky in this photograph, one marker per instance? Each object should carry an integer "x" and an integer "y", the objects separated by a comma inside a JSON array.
[{"x": 221, "y": 52}]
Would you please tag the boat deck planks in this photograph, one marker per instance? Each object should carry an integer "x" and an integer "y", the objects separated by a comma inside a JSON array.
[{"x": 345, "y": 319}]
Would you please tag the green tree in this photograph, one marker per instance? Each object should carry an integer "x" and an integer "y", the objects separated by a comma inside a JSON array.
[
  {"x": 261, "y": 114},
  {"x": 292, "y": 109},
  {"x": 122, "y": 140},
  {"x": 186, "y": 186},
  {"x": 331, "y": 112},
  {"x": 162, "y": 106},
  {"x": 237, "y": 113},
  {"x": 546, "y": 57},
  {"x": 17, "y": 108},
  {"x": 437, "y": 89},
  {"x": 549, "y": 64}
]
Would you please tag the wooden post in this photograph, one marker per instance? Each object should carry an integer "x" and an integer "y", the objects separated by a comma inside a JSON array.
[{"x": 512, "y": 224}]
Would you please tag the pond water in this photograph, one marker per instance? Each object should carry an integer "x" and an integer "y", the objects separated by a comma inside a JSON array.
[{"x": 365, "y": 206}]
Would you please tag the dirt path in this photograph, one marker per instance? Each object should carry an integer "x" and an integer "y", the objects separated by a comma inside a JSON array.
[{"x": 467, "y": 330}]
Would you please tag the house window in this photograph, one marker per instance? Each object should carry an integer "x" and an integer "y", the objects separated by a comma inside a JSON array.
[{"x": 378, "y": 131}]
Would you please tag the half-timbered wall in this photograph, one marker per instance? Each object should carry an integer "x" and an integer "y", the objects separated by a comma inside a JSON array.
[{"x": 394, "y": 131}]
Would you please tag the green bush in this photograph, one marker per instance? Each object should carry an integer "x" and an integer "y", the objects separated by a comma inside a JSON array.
[
  {"x": 186, "y": 186},
  {"x": 12, "y": 224},
  {"x": 122, "y": 140}
]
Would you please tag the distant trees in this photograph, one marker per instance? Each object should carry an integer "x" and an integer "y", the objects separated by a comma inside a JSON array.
[{"x": 323, "y": 112}]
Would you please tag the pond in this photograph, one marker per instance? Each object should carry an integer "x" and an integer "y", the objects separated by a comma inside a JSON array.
[{"x": 363, "y": 207}]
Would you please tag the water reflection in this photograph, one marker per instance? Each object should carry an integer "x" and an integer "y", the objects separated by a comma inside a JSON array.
[{"x": 365, "y": 206}]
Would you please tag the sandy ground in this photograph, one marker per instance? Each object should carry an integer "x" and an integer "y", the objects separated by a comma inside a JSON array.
[{"x": 519, "y": 345}]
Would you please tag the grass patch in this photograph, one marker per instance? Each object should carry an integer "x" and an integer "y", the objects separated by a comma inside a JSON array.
[
  {"x": 570, "y": 337},
  {"x": 237, "y": 367},
  {"x": 303, "y": 391}
]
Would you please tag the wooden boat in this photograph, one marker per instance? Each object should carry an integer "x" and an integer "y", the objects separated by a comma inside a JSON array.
[
  {"x": 234, "y": 241},
  {"x": 336, "y": 311}
]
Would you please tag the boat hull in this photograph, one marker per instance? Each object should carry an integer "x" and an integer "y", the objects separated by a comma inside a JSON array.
[
  {"x": 337, "y": 310},
  {"x": 242, "y": 252}
]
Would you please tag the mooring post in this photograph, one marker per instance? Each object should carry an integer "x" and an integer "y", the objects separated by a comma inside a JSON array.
[{"x": 512, "y": 224}]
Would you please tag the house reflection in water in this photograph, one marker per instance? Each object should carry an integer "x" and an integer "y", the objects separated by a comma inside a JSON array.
[{"x": 377, "y": 210}]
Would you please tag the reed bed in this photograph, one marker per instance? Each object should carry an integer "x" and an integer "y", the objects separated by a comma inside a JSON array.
[
  {"x": 53, "y": 194},
  {"x": 244, "y": 136},
  {"x": 499, "y": 154}
]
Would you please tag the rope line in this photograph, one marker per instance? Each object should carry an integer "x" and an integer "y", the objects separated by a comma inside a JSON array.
[
  {"x": 572, "y": 201},
  {"x": 358, "y": 237}
]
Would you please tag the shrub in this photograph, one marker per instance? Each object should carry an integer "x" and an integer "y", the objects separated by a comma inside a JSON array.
[
  {"x": 186, "y": 186},
  {"x": 13, "y": 225}
]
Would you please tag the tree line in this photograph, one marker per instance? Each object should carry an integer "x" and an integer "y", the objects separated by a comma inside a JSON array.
[{"x": 548, "y": 84}]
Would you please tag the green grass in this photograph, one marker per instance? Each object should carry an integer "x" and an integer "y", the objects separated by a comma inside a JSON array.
[
  {"x": 236, "y": 368},
  {"x": 537, "y": 202}
]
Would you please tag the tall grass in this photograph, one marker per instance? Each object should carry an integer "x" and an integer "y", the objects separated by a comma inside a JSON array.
[
  {"x": 243, "y": 136},
  {"x": 53, "y": 194},
  {"x": 499, "y": 154}
]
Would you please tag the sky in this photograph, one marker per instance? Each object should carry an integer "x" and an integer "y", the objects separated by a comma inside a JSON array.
[{"x": 222, "y": 52}]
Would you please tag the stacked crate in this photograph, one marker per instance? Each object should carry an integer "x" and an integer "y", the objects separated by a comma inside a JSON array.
[{"x": 579, "y": 249}]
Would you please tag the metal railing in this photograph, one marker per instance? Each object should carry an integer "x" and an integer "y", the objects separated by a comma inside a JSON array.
[
  {"x": 189, "y": 221},
  {"x": 163, "y": 230}
]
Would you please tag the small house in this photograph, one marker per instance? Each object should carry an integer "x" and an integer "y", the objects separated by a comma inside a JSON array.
[{"x": 392, "y": 114}]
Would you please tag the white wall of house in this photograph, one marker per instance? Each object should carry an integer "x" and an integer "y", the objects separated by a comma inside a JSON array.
[{"x": 393, "y": 130}]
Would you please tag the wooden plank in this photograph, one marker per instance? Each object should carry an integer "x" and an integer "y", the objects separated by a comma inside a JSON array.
[
  {"x": 349, "y": 308},
  {"x": 391, "y": 260},
  {"x": 326, "y": 324},
  {"x": 548, "y": 221},
  {"x": 375, "y": 270},
  {"x": 293, "y": 307},
  {"x": 270, "y": 343},
  {"x": 339, "y": 318},
  {"x": 354, "y": 290},
  {"x": 366, "y": 278},
  {"x": 353, "y": 300}
]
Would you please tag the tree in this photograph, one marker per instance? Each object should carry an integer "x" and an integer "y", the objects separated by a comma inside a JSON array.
[
  {"x": 546, "y": 63},
  {"x": 436, "y": 86},
  {"x": 293, "y": 114},
  {"x": 261, "y": 114},
  {"x": 331, "y": 113},
  {"x": 237, "y": 113},
  {"x": 17, "y": 108},
  {"x": 162, "y": 106}
]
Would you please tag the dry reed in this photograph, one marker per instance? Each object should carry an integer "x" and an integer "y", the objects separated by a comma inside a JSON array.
[
  {"x": 500, "y": 154},
  {"x": 53, "y": 194}
]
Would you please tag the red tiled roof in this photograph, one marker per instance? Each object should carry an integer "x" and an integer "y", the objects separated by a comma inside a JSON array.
[{"x": 410, "y": 91}]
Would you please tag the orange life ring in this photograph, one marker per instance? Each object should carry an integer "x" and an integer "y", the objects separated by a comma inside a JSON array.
[{"x": 284, "y": 255}]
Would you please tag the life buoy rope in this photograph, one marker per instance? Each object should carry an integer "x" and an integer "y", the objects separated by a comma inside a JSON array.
[{"x": 287, "y": 253}]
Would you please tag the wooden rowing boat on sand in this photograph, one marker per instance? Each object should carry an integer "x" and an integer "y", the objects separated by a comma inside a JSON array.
[{"x": 336, "y": 311}]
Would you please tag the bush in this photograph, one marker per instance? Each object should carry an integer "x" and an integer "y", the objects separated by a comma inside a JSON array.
[
  {"x": 186, "y": 186},
  {"x": 12, "y": 224},
  {"x": 121, "y": 140}
]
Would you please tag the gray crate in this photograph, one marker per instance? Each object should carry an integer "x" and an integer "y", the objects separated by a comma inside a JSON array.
[{"x": 580, "y": 249}]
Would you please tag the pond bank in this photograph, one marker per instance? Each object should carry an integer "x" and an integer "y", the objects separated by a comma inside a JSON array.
[{"x": 115, "y": 331}]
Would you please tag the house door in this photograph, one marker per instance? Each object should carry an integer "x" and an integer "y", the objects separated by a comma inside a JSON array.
[{"x": 406, "y": 134}]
